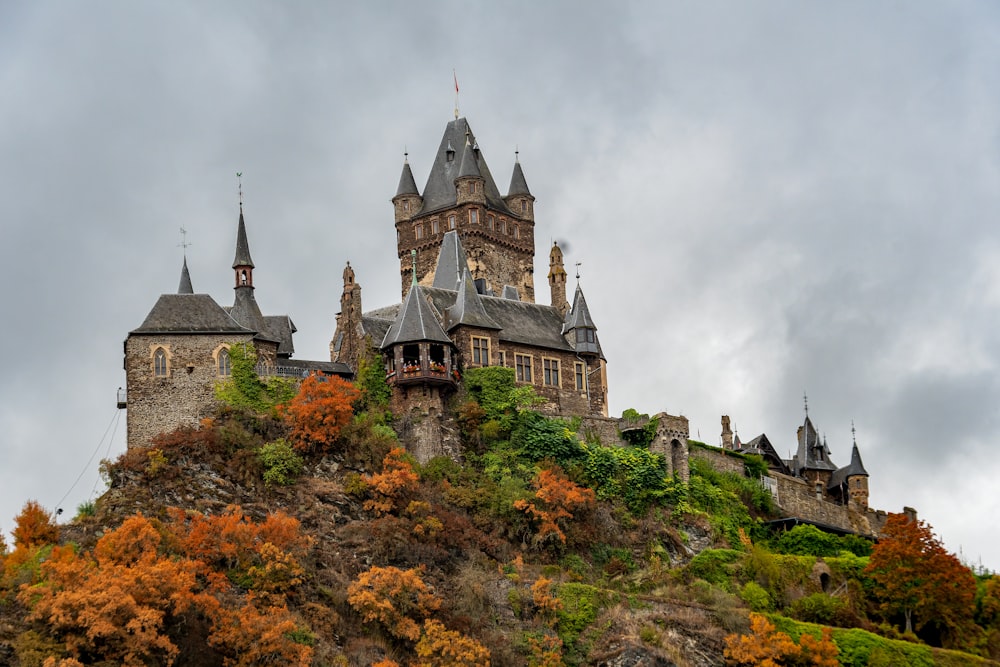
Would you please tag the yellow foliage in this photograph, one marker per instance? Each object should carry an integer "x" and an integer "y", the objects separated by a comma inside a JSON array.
[
  {"x": 394, "y": 598},
  {"x": 440, "y": 647}
]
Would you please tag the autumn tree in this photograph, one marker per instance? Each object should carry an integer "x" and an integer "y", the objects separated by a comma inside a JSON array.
[
  {"x": 319, "y": 411},
  {"x": 397, "y": 480},
  {"x": 34, "y": 527},
  {"x": 262, "y": 632},
  {"x": 767, "y": 647},
  {"x": 395, "y": 598},
  {"x": 556, "y": 499},
  {"x": 916, "y": 578},
  {"x": 441, "y": 647}
]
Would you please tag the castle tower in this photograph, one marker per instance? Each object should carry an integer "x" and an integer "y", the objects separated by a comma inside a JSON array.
[
  {"x": 557, "y": 279},
  {"x": 270, "y": 335},
  {"x": 855, "y": 476},
  {"x": 347, "y": 344},
  {"x": 497, "y": 231},
  {"x": 591, "y": 374},
  {"x": 727, "y": 433}
]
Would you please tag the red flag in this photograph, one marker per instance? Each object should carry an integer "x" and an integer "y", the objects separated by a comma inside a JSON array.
[{"x": 456, "y": 81}]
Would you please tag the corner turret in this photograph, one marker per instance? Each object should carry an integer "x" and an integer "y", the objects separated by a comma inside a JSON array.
[
  {"x": 407, "y": 200},
  {"x": 519, "y": 197},
  {"x": 470, "y": 184}
]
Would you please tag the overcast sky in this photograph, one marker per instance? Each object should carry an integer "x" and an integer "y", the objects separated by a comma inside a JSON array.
[{"x": 767, "y": 198}]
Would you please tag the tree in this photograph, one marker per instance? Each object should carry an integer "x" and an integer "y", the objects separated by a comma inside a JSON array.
[
  {"x": 395, "y": 482},
  {"x": 914, "y": 576},
  {"x": 767, "y": 647},
  {"x": 395, "y": 598},
  {"x": 34, "y": 527},
  {"x": 556, "y": 499},
  {"x": 441, "y": 647},
  {"x": 318, "y": 412}
]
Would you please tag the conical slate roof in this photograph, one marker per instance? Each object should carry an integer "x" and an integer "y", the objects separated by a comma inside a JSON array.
[
  {"x": 246, "y": 311},
  {"x": 854, "y": 469},
  {"x": 185, "y": 286},
  {"x": 242, "y": 247},
  {"x": 518, "y": 186},
  {"x": 581, "y": 326},
  {"x": 440, "y": 192},
  {"x": 579, "y": 315},
  {"x": 451, "y": 264},
  {"x": 407, "y": 186},
  {"x": 468, "y": 308},
  {"x": 415, "y": 322},
  {"x": 470, "y": 163}
]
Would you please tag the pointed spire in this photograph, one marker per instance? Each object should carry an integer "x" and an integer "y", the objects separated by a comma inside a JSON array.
[
  {"x": 407, "y": 186},
  {"x": 468, "y": 308},
  {"x": 185, "y": 285},
  {"x": 518, "y": 186},
  {"x": 451, "y": 263},
  {"x": 242, "y": 246},
  {"x": 581, "y": 325},
  {"x": 416, "y": 321},
  {"x": 469, "y": 167}
]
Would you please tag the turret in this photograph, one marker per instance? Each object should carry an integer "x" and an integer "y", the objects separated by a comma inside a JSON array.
[
  {"x": 519, "y": 198},
  {"x": 407, "y": 201},
  {"x": 727, "y": 433},
  {"x": 470, "y": 184},
  {"x": 347, "y": 347},
  {"x": 580, "y": 329},
  {"x": 557, "y": 279}
]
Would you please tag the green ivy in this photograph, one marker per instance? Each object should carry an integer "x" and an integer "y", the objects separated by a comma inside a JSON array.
[
  {"x": 537, "y": 437},
  {"x": 245, "y": 389}
]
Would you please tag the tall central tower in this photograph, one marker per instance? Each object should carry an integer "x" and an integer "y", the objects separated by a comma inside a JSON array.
[{"x": 497, "y": 231}]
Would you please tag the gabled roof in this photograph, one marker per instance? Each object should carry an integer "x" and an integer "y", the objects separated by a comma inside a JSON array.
[
  {"x": 246, "y": 311},
  {"x": 189, "y": 313},
  {"x": 812, "y": 454},
  {"x": 415, "y": 322},
  {"x": 242, "y": 247},
  {"x": 440, "y": 192},
  {"x": 518, "y": 186},
  {"x": 185, "y": 286},
  {"x": 280, "y": 328},
  {"x": 407, "y": 186},
  {"x": 763, "y": 447},
  {"x": 451, "y": 264},
  {"x": 468, "y": 308}
]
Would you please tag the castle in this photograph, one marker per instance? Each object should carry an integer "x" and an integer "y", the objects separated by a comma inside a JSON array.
[{"x": 466, "y": 256}]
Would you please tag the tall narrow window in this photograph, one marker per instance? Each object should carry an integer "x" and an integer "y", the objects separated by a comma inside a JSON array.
[
  {"x": 435, "y": 226},
  {"x": 451, "y": 222},
  {"x": 502, "y": 358},
  {"x": 517, "y": 232},
  {"x": 480, "y": 351},
  {"x": 474, "y": 216},
  {"x": 551, "y": 368},
  {"x": 225, "y": 364},
  {"x": 489, "y": 221},
  {"x": 503, "y": 226},
  {"x": 419, "y": 231},
  {"x": 160, "y": 363},
  {"x": 522, "y": 367},
  {"x": 580, "y": 376}
]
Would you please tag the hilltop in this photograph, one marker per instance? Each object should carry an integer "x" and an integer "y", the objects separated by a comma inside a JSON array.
[{"x": 299, "y": 532}]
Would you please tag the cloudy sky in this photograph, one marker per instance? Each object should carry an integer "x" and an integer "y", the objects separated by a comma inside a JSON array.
[{"x": 767, "y": 199}]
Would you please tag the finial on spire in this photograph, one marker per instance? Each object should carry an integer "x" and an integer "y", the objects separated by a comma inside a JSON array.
[
  {"x": 184, "y": 242},
  {"x": 406, "y": 156},
  {"x": 854, "y": 434},
  {"x": 239, "y": 188},
  {"x": 578, "y": 271},
  {"x": 455, "y": 76},
  {"x": 413, "y": 259},
  {"x": 517, "y": 155},
  {"x": 805, "y": 399}
]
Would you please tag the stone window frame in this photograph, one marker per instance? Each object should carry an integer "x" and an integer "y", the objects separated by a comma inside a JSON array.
[
  {"x": 217, "y": 358},
  {"x": 473, "y": 216},
  {"x": 451, "y": 222},
  {"x": 157, "y": 364},
  {"x": 517, "y": 231},
  {"x": 418, "y": 231},
  {"x": 490, "y": 221},
  {"x": 479, "y": 344},
  {"x": 406, "y": 205},
  {"x": 580, "y": 372},
  {"x": 520, "y": 367},
  {"x": 501, "y": 358},
  {"x": 435, "y": 226},
  {"x": 550, "y": 372}
]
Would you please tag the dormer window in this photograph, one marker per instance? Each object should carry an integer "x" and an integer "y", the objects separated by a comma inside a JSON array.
[
  {"x": 472, "y": 187},
  {"x": 584, "y": 335}
]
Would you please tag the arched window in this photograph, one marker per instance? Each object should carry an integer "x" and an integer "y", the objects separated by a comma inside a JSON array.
[
  {"x": 224, "y": 363},
  {"x": 160, "y": 363}
]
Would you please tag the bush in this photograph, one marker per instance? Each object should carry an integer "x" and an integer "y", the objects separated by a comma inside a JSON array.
[
  {"x": 637, "y": 477},
  {"x": 282, "y": 464},
  {"x": 818, "y": 608},
  {"x": 714, "y": 566},
  {"x": 806, "y": 540},
  {"x": 756, "y": 597},
  {"x": 537, "y": 437}
]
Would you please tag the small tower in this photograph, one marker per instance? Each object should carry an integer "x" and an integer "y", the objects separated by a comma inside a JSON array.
[
  {"x": 557, "y": 279},
  {"x": 469, "y": 184},
  {"x": 519, "y": 197},
  {"x": 407, "y": 200},
  {"x": 855, "y": 476},
  {"x": 727, "y": 433},
  {"x": 347, "y": 344},
  {"x": 591, "y": 371},
  {"x": 245, "y": 309}
]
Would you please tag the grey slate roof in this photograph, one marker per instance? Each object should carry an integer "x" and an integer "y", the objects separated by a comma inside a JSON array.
[
  {"x": 452, "y": 263},
  {"x": 440, "y": 192},
  {"x": 185, "y": 286},
  {"x": 280, "y": 328},
  {"x": 415, "y": 322},
  {"x": 189, "y": 313},
  {"x": 407, "y": 186},
  {"x": 242, "y": 247},
  {"x": 468, "y": 308},
  {"x": 246, "y": 311},
  {"x": 854, "y": 469},
  {"x": 761, "y": 446},
  {"x": 469, "y": 166},
  {"x": 812, "y": 454},
  {"x": 578, "y": 317},
  {"x": 334, "y": 367},
  {"x": 518, "y": 186}
]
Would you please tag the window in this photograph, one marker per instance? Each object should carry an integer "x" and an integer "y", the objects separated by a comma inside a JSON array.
[
  {"x": 160, "y": 363},
  {"x": 522, "y": 367},
  {"x": 224, "y": 363},
  {"x": 524, "y": 206},
  {"x": 472, "y": 187},
  {"x": 502, "y": 358},
  {"x": 406, "y": 205},
  {"x": 481, "y": 351},
  {"x": 418, "y": 231},
  {"x": 584, "y": 335},
  {"x": 474, "y": 216},
  {"x": 580, "y": 376},
  {"x": 451, "y": 222},
  {"x": 517, "y": 232},
  {"x": 503, "y": 226},
  {"x": 435, "y": 226},
  {"x": 551, "y": 368},
  {"x": 489, "y": 221}
]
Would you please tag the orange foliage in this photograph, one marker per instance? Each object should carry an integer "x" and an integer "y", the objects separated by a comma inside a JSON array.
[
  {"x": 116, "y": 605},
  {"x": 440, "y": 647},
  {"x": 319, "y": 411},
  {"x": 545, "y": 652},
  {"x": 541, "y": 595},
  {"x": 914, "y": 575},
  {"x": 396, "y": 480},
  {"x": 767, "y": 647},
  {"x": 394, "y": 598},
  {"x": 556, "y": 498},
  {"x": 65, "y": 662},
  {"x": 34, "y": 527},
  {"x": 385, "y": 663},
  {"x": 260, "y": 635}
]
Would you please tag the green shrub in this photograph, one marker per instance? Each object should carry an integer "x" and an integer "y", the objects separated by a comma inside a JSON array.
[
  {"x": 580, "y": 605},
  {"x": 282, "y": 464},
  {"x": 86, "y": 509},
  {"x": 714, "y": 566},
  {"x": 818, "y": 608},
  {"x": 537, "y": 437},
  {"x": 756, "y": 597},
  {"x": 636, "y": 477},
  {"x": 859, "y": 648},
  {"x": 245, "y": 389},
  {"x": 639, "y": 437}
]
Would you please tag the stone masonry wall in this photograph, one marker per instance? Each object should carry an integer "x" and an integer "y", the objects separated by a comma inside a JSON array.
[{"x": 420, "y": 420}]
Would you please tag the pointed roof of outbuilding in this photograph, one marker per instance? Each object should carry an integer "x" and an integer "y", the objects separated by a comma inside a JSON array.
[
  {"x": 440, "y": 192},
  {"x": 242, "y": 246},
  {"x": 407, "y": 186},
  {"x": 417, "y": 321},
  {"x": 185, "y": 286},
  {"x": 518, "y": 186},
  {"x": 468, "y": 308},
  {"x": 451, "y": 264}
]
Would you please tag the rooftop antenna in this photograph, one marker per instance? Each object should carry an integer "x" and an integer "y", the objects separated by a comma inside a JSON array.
[
  {"x": 184, "y": 242},
  {"x": 455, "y": 76}
]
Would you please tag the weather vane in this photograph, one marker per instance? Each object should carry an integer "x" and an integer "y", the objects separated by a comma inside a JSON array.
[
  {"x": 239, "y": 187},
  {"x": 854, "y": 434},
  {"x": 805, "y": 399},
  {"x": 184, "y": 242},
  {"x": 578, "y": 271}
]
